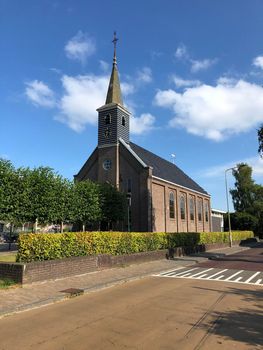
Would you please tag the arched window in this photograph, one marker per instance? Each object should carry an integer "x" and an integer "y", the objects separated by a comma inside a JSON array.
[
  {"x": 182, "y": 207},
  {"x": 192, "y": 208},
  {"x": 206, "y": 211},
  {"x": 107, "y": 119},
  {"x": 123, "y": 121},
  {"x": 200, "y": 209},
  {"x": 171, "y": 205}
]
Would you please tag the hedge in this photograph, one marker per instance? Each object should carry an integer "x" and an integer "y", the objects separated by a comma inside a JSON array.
[{"x": 48, "y": 246}]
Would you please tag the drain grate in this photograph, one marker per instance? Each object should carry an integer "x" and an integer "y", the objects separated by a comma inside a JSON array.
[{"x": 73, "y": 292}]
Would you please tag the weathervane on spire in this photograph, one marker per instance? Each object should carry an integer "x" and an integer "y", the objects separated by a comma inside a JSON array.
[{"x": 115, "y": 39}]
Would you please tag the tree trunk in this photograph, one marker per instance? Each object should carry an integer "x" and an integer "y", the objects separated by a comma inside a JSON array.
[
  {"x": 23, "y": 227},
  {"x": 61, "y": 227},
  {"x": 10, "y": 236},
  {"x": 36, "y": 226},
  {"x": 83, "y": 228}
]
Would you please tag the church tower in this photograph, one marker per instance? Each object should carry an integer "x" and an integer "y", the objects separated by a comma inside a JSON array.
[{"x": 114, "y": 123}]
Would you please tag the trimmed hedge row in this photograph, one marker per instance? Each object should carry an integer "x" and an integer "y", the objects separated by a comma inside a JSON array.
[{"x": 44, "y": 246}]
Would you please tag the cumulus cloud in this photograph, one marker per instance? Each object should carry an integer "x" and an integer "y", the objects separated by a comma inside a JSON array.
[
  {"x": 40, "y": 94},
  {"x": 82, "y": 96},
  {"x": 142, "y": 124},
  {"x": 127, "y": 88},
  {"x": 197, "y": 65},
  {"x": 80, "y": 47},
  {"x": 215, "y": 112},
  {"x": 181, "y": 52},
  {"x": 219, "y": 170},
  {"x": 180, "y": 82},
  {"x": 144, "y": 75},
  {"x": 258, "y": 62},
  {"x": 105, "y": 67}
]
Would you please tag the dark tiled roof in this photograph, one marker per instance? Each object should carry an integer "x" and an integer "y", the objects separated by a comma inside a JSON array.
[{"x": 166, "y": 170}]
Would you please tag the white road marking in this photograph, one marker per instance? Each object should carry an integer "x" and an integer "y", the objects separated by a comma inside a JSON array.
[
  {"x": 238, "y": 279},
  {"x": 199, "y": 273},
  {"x": 178, "y": 268},
  {"x": 215, "y": 274},
  {"x": 218, "y": 278},
  {"x": 251, "y": 278},
  {"x": 235, "y": 274},
  {"x": 258, "y": 281},
  {"x": 182, "y": 273}
]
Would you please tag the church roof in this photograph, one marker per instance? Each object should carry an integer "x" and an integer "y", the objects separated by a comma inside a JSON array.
[
  {"x": 166, "y": 170},
  {"x": 114, "y": 89}
]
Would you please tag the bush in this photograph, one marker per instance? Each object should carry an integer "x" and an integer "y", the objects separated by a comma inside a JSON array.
[{"x": 48, "y": 246}]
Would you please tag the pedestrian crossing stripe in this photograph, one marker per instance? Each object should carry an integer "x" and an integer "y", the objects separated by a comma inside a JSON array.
[{"x": 214, "y": 274}]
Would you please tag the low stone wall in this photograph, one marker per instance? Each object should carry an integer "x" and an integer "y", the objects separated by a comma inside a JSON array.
[{"x": 51, "y": 269}]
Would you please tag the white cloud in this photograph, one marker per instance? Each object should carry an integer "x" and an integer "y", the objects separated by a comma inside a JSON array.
[
  {"x": 144, "y": 75},
  {"x": 127, "y": 88},
  {"x": 218, "y": 171},
  {"x": 258, "y": 62},
  {"x": 83, "y": 95},
  {"x": 202, "y": 64},
  {"x": 80, "y": 47},
  {"x": 181, "y": 52},
  {"x": 180, "y": 82},
  {"x": 215, "y": 112},
  {"x": 40, "y": 94},
  {"x": 142, "y": 124},
  {"x": 104, "y": 66}
]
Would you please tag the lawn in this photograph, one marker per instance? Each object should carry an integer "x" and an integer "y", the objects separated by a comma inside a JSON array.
[
  {"x": 6, "y": 283},
  {"x": 8, "y": 257}
]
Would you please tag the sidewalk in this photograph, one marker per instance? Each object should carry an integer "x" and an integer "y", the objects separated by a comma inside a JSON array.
[{"x": 43, "y": 293}]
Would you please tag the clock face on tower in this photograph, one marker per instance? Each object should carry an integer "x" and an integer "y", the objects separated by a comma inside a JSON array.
[{"x": 106, "y": 164}]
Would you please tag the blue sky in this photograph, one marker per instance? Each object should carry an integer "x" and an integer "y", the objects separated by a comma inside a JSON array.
[{"x": 191, "y": 74}]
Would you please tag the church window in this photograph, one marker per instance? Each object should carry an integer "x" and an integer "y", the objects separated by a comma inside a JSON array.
[
  {"x": 200, "y": 209},
  {"x": 182, "y": 207},
  {"x": 192, "y": 208},
  {"x": 123, "y": 121},
  {"x": 206, "y": 212},
  {"x": 106, "y": 164},
  {"x": 171, "y": 205},
  {"x": 107, "y": 133},
  {"x": 107, "y": 119}
]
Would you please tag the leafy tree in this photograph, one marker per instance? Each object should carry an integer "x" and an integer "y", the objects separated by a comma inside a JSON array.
[
  {"x": 260, "y": 140},
  {"x": 62, "y": 201},
  {"x": 7, "y": 190},
  {"x": 41, "y": 194},
  {"x": 85, "y": 203},
  {"x": 113, "y": 204},
  {"x": 244, "y": 193},
  {"x": 241, "y": 221}
]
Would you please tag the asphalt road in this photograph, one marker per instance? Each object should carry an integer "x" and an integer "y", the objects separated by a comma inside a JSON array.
[{"x": 151, "y": 313}]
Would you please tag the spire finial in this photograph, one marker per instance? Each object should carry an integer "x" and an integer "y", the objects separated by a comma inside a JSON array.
[{"x": 115, "y": 39}]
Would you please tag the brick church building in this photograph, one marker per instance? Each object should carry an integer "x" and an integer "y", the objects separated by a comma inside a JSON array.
[{"x": 163, "y": 197}]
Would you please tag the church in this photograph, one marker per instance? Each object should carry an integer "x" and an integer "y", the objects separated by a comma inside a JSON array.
[{"x": 162, "y": 198}]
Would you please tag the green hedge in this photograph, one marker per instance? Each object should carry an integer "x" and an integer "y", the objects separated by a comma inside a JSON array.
[{"x": 48, "y": 246}]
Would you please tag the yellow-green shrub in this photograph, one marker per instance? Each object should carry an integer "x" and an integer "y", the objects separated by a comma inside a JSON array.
[{"x": 48, "y": 246}]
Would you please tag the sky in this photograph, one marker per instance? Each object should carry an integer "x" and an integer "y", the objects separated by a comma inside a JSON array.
[{"x": 191, "y": 75}]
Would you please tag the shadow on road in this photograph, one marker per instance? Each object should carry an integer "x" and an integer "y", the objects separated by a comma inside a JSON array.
[{"x": 243, "y": 325}]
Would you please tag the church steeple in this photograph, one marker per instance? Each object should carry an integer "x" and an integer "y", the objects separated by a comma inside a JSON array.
[
  {"x": 114, "y": 118},
  {"x": 114, "y": 89}
]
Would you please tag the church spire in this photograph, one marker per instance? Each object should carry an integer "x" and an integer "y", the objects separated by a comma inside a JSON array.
[{"x": 114, "y": 89}]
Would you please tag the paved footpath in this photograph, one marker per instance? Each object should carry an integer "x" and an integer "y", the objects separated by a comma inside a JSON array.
[{"x": 35, "y": 295}]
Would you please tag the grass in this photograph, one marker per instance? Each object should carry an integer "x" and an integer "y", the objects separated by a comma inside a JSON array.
[
  {"x": 8, "y": 257},
  {"x": 6, "y": 283}
]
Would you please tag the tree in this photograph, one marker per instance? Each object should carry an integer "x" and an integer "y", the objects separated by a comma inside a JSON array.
[
  {"x": 244, "y": 193},
  {"x": 7, "y": 190},
  {"x": 63, "y": 192},
  {"x": 260, "y": 140},
  {"x": 113, "y": 204},
  {"x": 85, "y": 203}
]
